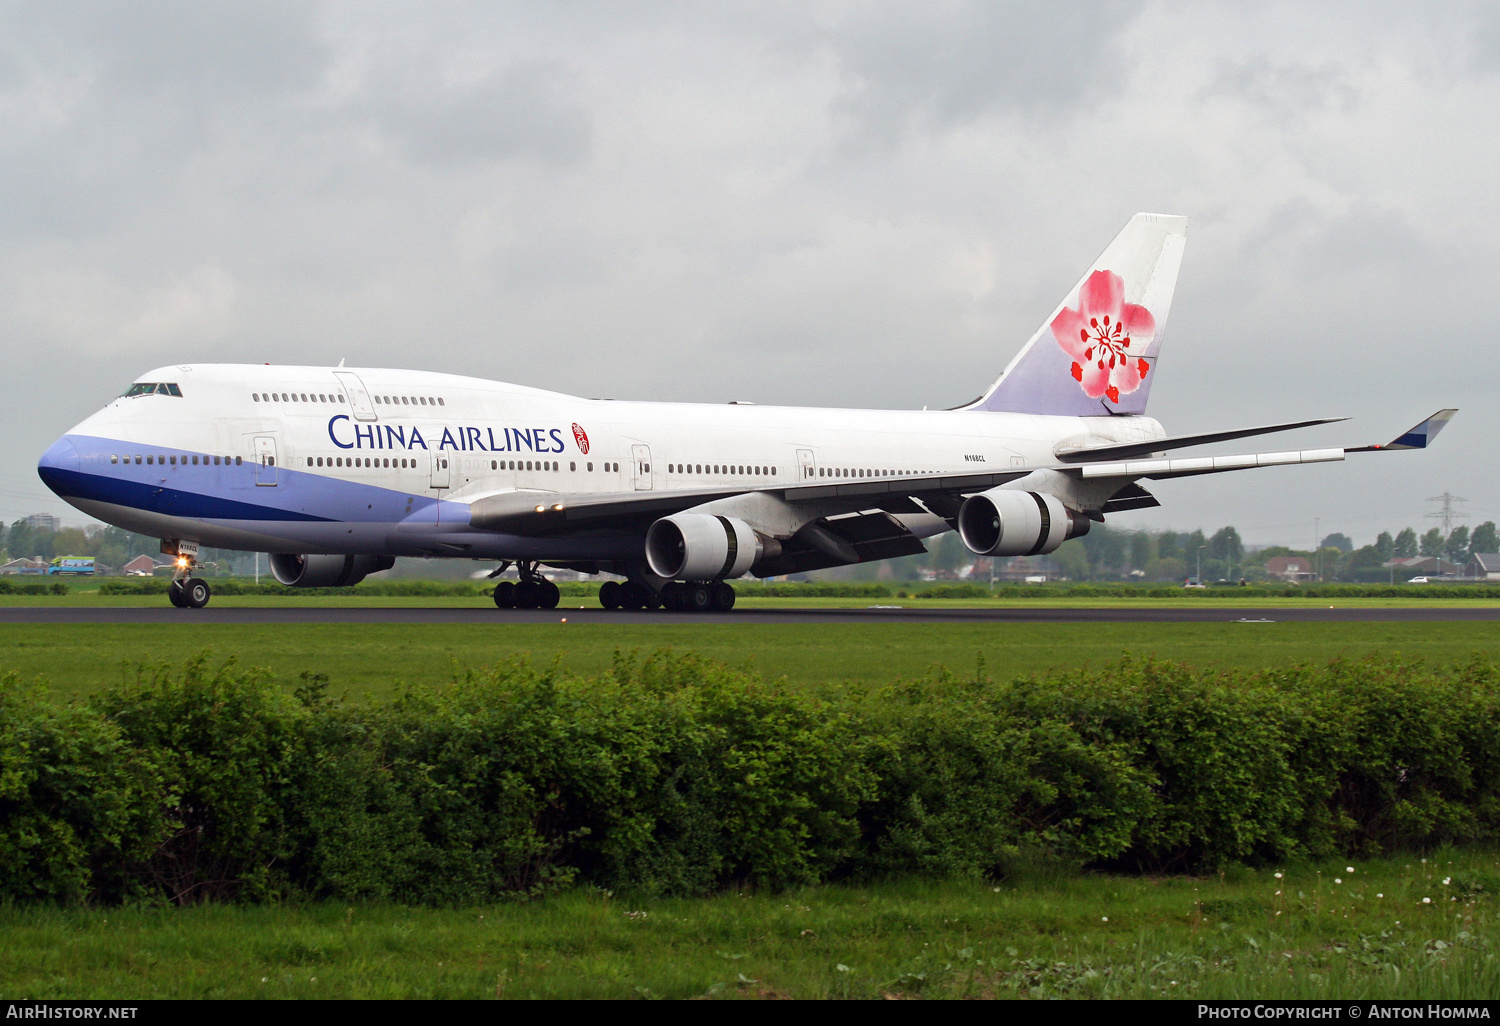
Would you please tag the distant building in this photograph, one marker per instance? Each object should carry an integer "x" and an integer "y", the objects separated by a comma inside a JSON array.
[
  {"x": 43, "y": 522},
  {"x": 1023, "y": 570},
  {"x": 24, "y": 566},
  {"x": 1292, "y": 569},
  {"x": 1484, "y": 566},
  {"x": 1423, "y": 566},
  {"x": 140, "y": 564}
]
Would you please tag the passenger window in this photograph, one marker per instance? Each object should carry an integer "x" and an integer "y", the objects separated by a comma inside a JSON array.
[
  {"x": 114, "y": 459},
  {"x": 440, "y": 401},
  {"x": 255, "y": 396}
]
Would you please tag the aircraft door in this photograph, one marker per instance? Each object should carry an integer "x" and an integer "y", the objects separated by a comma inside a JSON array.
[
  {"x": 265, "y": 460},
  {"x": 358, "y": 396},
  {"x": 442, "y": 474},
  {"x": 808, "y": 465},
  {"x": 640, "y": 456}
]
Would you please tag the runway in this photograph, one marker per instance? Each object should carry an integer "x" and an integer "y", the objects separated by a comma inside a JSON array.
[{"x": 263, "y": 616}]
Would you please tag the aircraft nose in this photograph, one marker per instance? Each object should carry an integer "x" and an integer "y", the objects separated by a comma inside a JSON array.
[{"x": 57, "y": 463}]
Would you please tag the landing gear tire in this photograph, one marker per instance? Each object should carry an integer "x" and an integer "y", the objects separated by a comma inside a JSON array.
[
  {"x": 548, "y": 595},
  {"x": 632, "y": 596},
  {"x": 189, "y": 593},
  {"x": 671, "y": 596},
  {"x": 723, "y": 597},
  {"x": 609, "y": 594},
  {"x": 505, "y": 595},
  {"x": 699, "y": 598},
  {"x": 196, "y": 593},
  {"x": 528, "y": 595}
]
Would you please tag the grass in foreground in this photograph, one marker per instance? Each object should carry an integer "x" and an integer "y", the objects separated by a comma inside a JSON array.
[
  {"x": 1396, "y": 928},
  {"x": 368, "y": 660}
]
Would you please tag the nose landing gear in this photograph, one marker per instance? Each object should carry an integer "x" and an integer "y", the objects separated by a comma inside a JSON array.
[{"x": 187, "y": 591}]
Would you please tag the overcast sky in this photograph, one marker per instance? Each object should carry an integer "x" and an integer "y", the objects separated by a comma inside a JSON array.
[{"x": 832, "y": 204}]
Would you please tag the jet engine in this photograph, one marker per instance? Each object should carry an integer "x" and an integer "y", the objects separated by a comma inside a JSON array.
[
  {"x": 1006, "y": 522},
  {"x": 701, "y": 547},
  {"x": 326, "y": 571}
]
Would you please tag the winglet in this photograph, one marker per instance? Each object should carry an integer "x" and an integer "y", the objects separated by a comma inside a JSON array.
[{"x": 1418, "y": 437}]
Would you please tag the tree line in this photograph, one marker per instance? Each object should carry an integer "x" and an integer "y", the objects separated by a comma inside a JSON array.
[
  {"x": 1110, "y": 554},
  {"x": 1104, "y": 554}
]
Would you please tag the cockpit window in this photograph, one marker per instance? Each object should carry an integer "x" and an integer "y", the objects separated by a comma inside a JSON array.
[{"x": 152, "y": 388}]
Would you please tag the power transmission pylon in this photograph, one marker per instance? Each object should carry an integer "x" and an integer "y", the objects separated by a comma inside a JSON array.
[{"x": 1447, "y": 514}]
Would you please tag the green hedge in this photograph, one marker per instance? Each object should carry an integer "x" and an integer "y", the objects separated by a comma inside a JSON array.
[
  {"x": 32, "y": 587},
  {"x": 672, "y": 774}
]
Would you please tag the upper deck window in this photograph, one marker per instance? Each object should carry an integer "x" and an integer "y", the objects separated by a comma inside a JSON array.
[{"x": 152, "y": 388}]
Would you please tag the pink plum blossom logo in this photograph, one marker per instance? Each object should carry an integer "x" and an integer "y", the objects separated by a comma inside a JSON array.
[{"x": 1100, "y": 336}]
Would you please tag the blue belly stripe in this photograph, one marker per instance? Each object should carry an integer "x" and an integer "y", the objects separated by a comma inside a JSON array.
[{"x": 159, "y": 499}]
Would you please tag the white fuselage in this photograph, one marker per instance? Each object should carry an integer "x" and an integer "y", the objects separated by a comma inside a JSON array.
[{"x": 376, "y": 461}]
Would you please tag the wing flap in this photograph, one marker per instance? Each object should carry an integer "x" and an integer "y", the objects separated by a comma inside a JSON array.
[
  {"x": 1164, "y": 468},
  {"x": 1089, "y": 454}
]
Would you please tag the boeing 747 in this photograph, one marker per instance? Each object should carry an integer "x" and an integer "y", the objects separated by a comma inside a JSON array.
[{"x": 337, "y": 471}]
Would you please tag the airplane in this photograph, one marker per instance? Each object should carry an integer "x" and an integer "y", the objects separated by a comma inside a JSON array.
[{"x": 336, "y": 471}]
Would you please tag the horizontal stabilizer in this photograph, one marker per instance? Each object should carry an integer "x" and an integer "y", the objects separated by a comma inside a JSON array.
[
  {"x": 1419, "y": 437},
  {"x": 1130, "y": 450}
]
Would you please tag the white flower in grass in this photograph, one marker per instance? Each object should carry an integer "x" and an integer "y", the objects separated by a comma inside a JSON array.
[
  {"x": 1427, "y": 901},
  {"x": 1447, "y": 880},
  {"x": 1348, "y": 869}
]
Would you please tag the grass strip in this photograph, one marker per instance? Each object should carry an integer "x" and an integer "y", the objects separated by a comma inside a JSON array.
[{"x": 1240, "y": 934}]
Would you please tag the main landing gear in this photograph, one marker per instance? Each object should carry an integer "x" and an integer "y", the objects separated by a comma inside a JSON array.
[
  {"x": 678, "y": 596},
  {"x": 532, "y": 591},
  {"x": 187, "y": 591}
]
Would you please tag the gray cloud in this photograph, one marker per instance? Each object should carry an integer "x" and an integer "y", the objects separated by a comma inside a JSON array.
[
  {"x": 938, "y": 66},
  {"x": 520, "y": 110}
]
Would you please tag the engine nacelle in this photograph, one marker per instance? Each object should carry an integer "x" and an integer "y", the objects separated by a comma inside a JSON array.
[
  {"x": 326, "y": 571},
  {"x": 701, "y": 547},
  {"x": 1006, "y": 522}
]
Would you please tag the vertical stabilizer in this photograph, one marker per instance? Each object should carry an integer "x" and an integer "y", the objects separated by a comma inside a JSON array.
[{"x": 1096, "y": 355}]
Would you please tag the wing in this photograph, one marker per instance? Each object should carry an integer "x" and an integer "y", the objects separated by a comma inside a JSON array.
[
  {"x": 537, "y": 513},
  {"x": 1132, "y": 449}
]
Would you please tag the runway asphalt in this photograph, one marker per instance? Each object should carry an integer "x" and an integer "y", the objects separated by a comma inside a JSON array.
[{"x": 874, "y": 614}]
